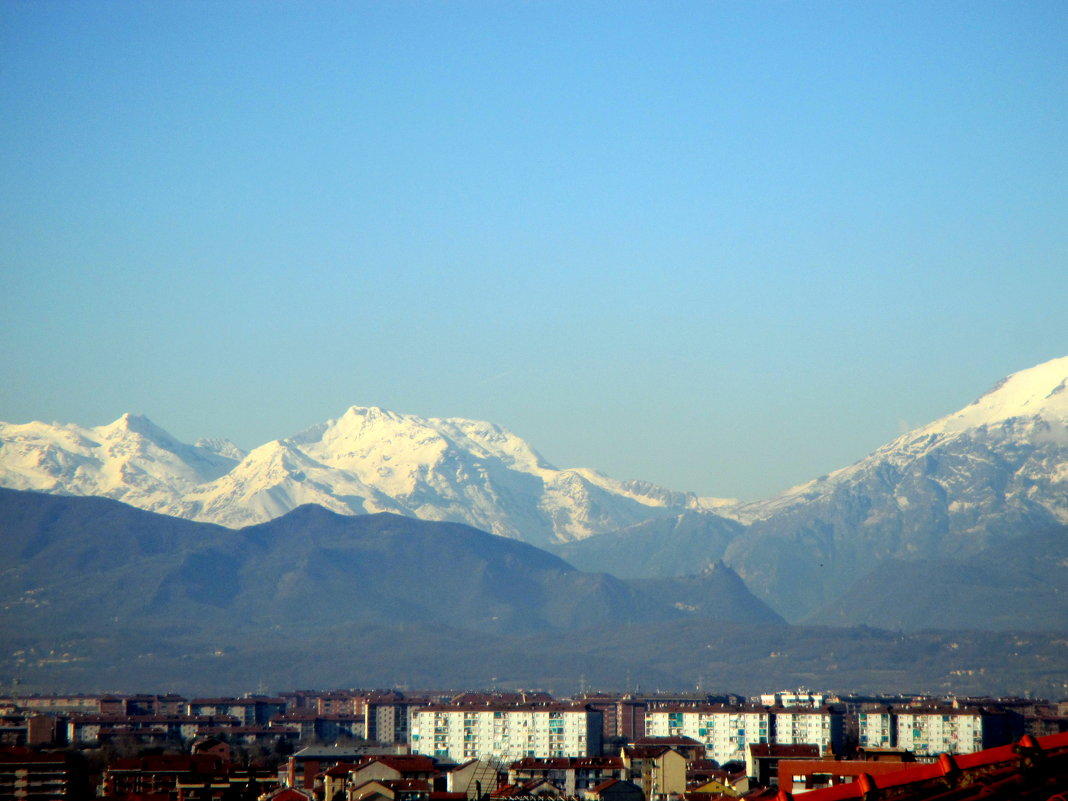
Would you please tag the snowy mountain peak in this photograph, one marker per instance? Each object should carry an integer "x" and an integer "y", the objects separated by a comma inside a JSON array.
[
  {"x": 367, "y": 460},
  {"x": 221, "y": 447},
  {"x": 1038, "y": 392},
  {"x": 138, "y": 426}
]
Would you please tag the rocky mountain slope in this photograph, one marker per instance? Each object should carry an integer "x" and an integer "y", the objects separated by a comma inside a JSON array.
[
  {"x": 983, "y": 476},
  {"x": 1018, "y": 584},
  {"x": 368, "y": 460}
]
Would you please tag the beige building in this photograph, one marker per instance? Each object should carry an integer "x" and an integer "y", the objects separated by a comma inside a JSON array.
[{"x": 660, "y": 771}]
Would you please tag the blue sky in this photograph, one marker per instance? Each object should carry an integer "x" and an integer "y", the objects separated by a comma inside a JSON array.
[{"x": 724, "y": 246}]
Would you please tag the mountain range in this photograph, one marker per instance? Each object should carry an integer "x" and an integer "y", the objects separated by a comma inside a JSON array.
[
  {"x": 989, "y": 476},
  {"x": 100, "y": 596},
  {"x": 368, "y": 460}
]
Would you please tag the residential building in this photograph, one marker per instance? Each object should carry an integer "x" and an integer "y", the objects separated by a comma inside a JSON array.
[
  {"x": 249, "y": 711},
  {"x": 101, "y": 728},
  {"x": 823, "y": 727},
  {"x": 659, "y": 770},
  {"x": 725, "y": 731},
  {"x": 468, "y": 732},
  {"x": 574, "y": 775},
  {"x": 876, "y": 727},
  {"x": 762, "y": 759},
  {"x": 29, "y": 776},
  {"x": 932, "y": 731},
  {"x": 792, "y": 698},
  {"x": 614, "y": 790},
  {"x": 388, "y": 720}
]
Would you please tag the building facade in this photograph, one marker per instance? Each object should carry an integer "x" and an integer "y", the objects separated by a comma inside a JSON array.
[
  {"x": 460, "y": 733},
  {"x": 724, "y": 731},
  {"x": 929, "y": 732}
]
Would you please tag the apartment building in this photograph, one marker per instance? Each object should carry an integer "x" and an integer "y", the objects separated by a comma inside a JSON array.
[
  {"x": 929, "y": 732},
  {"x": 824, "y": 728},
  {"x": 463, "y": 732},
  {"x": 725, "y": 731}
]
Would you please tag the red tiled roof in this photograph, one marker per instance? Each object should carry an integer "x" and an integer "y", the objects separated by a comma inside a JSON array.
[
  {"x": 1031, "y": 769},
  {"x": 645, "y": 751}
]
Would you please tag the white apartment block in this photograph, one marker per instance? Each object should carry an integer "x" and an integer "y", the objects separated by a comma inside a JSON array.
[
  {"x": 876, "y": 728},
  {"x": 725, "y": 732},
  {"x": 791, "y": 698},
  {"x": 820, "y": 727},
  {"x": 928, "y": 732},
  {"x": 461, "y": 733}
]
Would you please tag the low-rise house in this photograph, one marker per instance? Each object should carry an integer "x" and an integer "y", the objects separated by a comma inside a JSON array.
[
  {"x": 390, "y": 790},
  {"x": 763, "y": 760},
  {"x": 474, "y": 778},
  {"x": 687, "y": 746},
  {"x": 574, "y": 775},
  {"x": 307, "y": 763},
  {"x": 533, "y": 790},
  {"x": 614, "y": 790}
]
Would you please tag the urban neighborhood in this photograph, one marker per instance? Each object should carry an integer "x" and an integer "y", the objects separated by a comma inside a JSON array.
[{"x": 392, "y": 745}]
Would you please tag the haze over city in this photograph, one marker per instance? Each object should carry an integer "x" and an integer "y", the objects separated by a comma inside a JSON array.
[{"x": 722, "y": 246}]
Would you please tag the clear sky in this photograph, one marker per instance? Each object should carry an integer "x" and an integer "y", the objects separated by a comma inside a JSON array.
[{"x": 724, "y": 246}]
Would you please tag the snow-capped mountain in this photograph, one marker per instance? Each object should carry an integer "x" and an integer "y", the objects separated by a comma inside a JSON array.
[
  {"x": 131, "y": 460},
  {"x": 994, "y": 470},
  {"x": 367, "y": 460}
]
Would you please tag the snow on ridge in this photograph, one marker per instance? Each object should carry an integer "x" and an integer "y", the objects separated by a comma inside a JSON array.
[
  {"x": 1030, "y": 405},
  {"x": 372, "y": 459},
  {"x": 1037, "y": 392},
  {"x": 367, "y": 460}
]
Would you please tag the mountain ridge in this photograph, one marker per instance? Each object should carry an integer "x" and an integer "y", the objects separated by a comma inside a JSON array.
[
  {"x": 367, "y": 460},
  {"x": 977, "y": 478}
]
